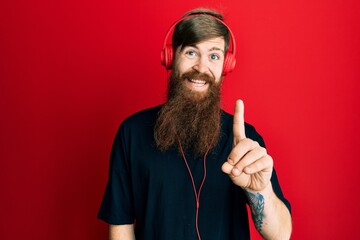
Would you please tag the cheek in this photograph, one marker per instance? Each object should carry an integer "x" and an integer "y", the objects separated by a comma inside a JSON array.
[
  {"x": 184, "y": 66},
  {"x": 218, "y": 72}
]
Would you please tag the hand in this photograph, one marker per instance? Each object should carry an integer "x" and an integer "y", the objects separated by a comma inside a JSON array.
[{"x": 248, "y": 164}]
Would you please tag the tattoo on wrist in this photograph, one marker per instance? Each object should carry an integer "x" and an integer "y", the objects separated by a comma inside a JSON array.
[{"x": 256, "y": 202}]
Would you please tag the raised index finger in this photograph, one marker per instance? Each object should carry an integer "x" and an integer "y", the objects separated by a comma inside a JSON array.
[{"x": 239, "y": 124}]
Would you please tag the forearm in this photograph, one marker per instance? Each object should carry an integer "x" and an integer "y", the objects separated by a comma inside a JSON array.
[
  {"x": 121, "y": 232},
  {"x": 270, "y": 215}
]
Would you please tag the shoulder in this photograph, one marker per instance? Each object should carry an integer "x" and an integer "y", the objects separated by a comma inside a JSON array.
[
  {"x": 144, "y": 117},
  {"x": 138, "y": 124}
]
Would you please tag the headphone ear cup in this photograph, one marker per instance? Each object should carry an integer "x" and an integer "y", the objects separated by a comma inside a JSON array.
[
  {"x": 167, "y": 56},
  {"x": 229, "y": 63}
]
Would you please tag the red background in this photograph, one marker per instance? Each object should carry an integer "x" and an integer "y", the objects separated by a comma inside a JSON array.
[{"x": 71, "y": 71}]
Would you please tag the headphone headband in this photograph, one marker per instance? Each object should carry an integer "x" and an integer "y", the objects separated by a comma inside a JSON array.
[{"x": 167, "y": 51}]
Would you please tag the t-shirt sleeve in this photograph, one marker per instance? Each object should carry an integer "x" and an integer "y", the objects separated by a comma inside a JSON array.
[
  {"x": 254, "y": 135},
  {"x": 116, "y": 207}
]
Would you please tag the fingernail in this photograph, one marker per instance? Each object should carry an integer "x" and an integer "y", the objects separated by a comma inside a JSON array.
[{"x": 235, "y": 171}]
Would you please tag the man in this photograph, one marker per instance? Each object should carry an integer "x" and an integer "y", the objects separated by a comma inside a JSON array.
[{"x": 186, "y": 169}]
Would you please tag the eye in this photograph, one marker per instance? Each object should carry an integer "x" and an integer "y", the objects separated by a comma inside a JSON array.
[
  {"x": 190, "y": 53},
  {"x": 214, "y": 57}
]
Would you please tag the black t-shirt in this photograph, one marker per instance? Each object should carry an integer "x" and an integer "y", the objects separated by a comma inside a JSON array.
[{"x": 155, "y": 189}]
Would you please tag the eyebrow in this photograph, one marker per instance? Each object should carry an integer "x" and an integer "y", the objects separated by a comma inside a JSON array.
[
  {"x": 211, "y": 49},
  {"x": 216, "y": 49}
]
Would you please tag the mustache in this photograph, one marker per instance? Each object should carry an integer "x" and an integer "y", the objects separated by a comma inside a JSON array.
[{"x": 196, "y": 75}]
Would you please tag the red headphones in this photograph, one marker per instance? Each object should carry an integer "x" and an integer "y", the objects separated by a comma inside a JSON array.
[{"x": 167, "y": 53}]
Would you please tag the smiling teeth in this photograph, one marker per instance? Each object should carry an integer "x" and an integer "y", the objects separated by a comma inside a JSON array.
[{"x": 198, "y": 81}]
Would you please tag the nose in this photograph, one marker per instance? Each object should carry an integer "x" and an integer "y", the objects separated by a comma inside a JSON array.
[{"x": 201, "y": 65}]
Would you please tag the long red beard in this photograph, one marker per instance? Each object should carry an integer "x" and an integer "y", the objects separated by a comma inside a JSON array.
[{"x": 189, "y": 117}]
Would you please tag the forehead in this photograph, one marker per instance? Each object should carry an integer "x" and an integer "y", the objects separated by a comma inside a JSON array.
[{"x": 212, "y": 44}]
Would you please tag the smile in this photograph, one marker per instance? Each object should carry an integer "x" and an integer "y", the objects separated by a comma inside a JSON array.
[{"x": 197, "y": 82}]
